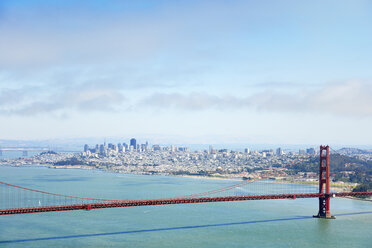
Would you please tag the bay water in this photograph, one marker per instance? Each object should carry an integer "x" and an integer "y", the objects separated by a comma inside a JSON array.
[{"x": 268, "y": 223}]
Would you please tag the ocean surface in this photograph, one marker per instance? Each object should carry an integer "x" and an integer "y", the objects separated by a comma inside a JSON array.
[{"x": 269, "y": 223}]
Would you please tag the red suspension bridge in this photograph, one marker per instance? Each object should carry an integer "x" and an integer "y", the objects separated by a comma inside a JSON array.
[{"x": 21, "y": 200}]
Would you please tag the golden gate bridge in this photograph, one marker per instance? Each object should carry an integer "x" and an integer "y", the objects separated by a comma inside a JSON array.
[{"x": 15, "y": 199}]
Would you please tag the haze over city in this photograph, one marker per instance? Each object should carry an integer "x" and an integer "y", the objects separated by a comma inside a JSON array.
[{"x": 272, "y": 72}]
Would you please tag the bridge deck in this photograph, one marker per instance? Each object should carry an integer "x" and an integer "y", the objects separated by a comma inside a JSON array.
[{"x": 170, "y": 201}]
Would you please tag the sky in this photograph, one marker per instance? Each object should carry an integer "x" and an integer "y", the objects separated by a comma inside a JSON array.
[{"x": 260, "y": 72}]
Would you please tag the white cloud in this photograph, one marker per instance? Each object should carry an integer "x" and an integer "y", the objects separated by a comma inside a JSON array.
[
  {"x": 27, "y": 103},
  {"x": 351, "y": 98},
  {"x": 192, "y": 101}
]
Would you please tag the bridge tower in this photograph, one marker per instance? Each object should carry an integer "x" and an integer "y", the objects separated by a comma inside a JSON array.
[{"x": 324, "y": 208}]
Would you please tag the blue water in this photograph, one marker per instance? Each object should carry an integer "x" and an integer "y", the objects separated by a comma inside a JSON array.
[{"x": 270, "y": 223}]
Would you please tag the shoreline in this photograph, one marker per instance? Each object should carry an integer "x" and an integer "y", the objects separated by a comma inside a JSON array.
[
  {"x": 338, "y": 188},
  {"x": 359, "y": 199}
]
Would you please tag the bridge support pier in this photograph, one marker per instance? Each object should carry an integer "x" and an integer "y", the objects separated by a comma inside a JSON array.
[{"x": 324, "y": 208}]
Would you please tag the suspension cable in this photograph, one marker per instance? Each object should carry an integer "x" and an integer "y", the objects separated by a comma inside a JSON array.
[{"x": 55, "y": 194}]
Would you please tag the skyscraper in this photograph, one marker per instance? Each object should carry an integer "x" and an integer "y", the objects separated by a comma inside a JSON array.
[
  {"x": 126, "y": 147},
  {"x": 120, "y": 147},
  {"x": 133, "y": 143},
  {"x": 102, "y": 150},
  {"x": 279, "y": 152}
]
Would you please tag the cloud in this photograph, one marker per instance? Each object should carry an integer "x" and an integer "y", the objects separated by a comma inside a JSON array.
[
  {"x": 24, "y": 103},
  {"x": 351, "y": 98},
  {"x": 192, "y": 101},
  {"x": 11, "y": 96}
]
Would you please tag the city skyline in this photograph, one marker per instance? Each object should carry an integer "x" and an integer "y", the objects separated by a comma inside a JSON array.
[
  {"x": 205, "y": 72},
  {"x": 133, "y": 146}
]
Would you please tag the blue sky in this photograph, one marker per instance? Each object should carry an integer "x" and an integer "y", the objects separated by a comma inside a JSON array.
[{"x": 187, "y": 71}]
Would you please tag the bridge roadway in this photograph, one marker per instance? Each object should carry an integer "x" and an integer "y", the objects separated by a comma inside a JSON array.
[{"x": 170, "y": 201}]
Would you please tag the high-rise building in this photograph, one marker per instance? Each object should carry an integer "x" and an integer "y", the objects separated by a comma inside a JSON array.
[
  {"x": 246, "y": 150},
  {"x": 105, "y": 148},
  {"x": 86, "y": 147},
  {"x": 279, "y": 152},
  {"x": 102, "y": 150},
  {"x": 143, "y": 147},
  {"x": 120, "y": 147},
  {"x": 126, "y": 147},
  {"x": 133, "y": 143}
]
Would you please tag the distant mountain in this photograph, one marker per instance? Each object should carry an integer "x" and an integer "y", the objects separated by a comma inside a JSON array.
[
  {"x": 353, "y": 151},
  {"x": 56, "y": 145}
]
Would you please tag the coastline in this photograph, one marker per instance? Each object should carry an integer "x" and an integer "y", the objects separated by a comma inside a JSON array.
[
  {"x": 358, "y": 198},
  {"x": 338, "y": 187},
  {"x": 333, "y": 186}
]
